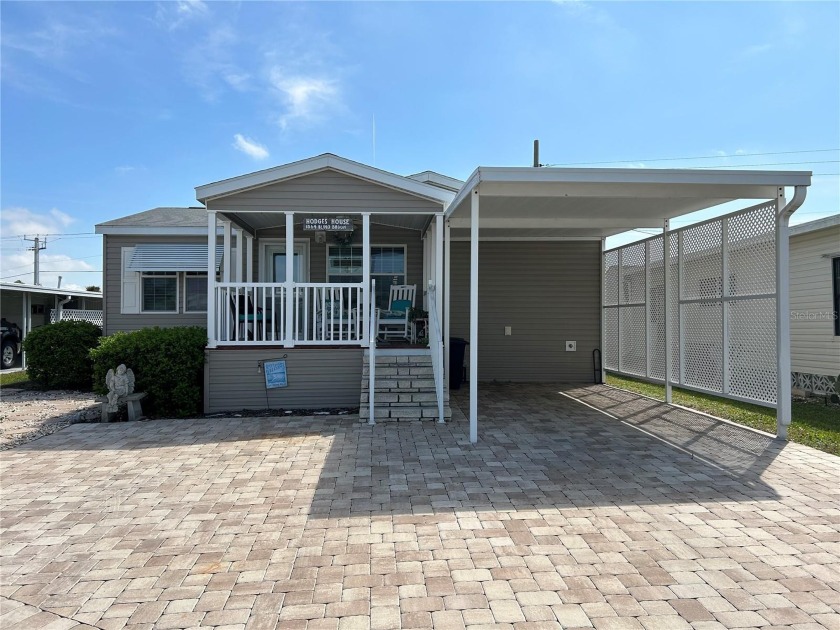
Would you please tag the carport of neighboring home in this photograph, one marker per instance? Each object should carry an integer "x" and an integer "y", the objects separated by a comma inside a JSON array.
[{"x": 525, "y": 273}]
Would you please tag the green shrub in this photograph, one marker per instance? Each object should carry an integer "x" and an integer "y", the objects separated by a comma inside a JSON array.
[
  {"x": 168, "y": 365},
  {"x": 57, "y": 355}
]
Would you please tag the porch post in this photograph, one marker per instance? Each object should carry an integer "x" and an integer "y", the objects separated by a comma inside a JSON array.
[
  {"x": 239, "y": 271},
  {"x": 666, "y": 266},
  {"x": 227, "y": 251},
  {"x": 447, "y": 260},
  {"x": 249, "y": 258},
  {"x": 438, "y": 249},
  {"x": 212, "y": 303},
  {"x": 783, "y": 402},
  {"x": 474, "y": 317},
  {"x": 366, "y": 279},
  {"x": 289, "y": 341}
]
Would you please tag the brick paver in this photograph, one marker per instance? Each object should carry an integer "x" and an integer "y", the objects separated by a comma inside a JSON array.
[{"x": 559, "y": 517}]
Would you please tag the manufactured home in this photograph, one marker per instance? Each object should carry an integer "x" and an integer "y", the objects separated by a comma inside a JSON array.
[
  {"x": 333, "y": 266},
  {"x": 815, "y": 305}
]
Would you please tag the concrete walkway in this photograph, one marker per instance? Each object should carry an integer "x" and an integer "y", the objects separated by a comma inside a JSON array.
[{"x": 561, "y": 517}]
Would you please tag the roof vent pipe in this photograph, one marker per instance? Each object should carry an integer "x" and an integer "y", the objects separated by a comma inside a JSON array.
[
  {"x": 536, "y": 153},
  {"x": 59, "y": 282}
]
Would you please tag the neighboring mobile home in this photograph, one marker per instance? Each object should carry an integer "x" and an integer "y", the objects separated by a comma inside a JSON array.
[
  {"x": 815, "y": 304},
  {"x": 302, "y": 259},
  {"x": 31, "y": 305}
]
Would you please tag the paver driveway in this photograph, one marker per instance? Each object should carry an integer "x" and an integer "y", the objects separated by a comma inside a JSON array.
[{"x": 559, "y": 517}]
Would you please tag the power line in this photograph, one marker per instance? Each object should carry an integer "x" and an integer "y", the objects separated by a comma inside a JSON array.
[
  {"x": 693, "y": 157},
  {"x": 83, "y": 258},
  {"x": 62, "y": 234},
  {"x": 771, "y": 164},
  {"x": 18, "y": 275}
]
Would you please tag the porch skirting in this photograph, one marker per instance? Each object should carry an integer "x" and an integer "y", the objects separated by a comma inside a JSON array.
[{"x": 317, "y": 378}]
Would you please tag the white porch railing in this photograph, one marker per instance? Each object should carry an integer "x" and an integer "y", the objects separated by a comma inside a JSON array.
[
  {"x": 436, "y": 347},
  {"x": 254, "y": 313},
  {"x": 76, "y": 314},
  {"x": 328, "y": 314},
  {"x": 250, "y": 313}
]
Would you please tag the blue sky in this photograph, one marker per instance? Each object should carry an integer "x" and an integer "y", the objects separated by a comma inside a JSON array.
[{"x": 113, "y": 108}]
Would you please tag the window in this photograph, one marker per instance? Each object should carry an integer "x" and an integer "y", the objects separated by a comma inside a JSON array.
[
  {"x": 836, "y": 263},
  {"x": 195, "y": 292},
  {"x": 387, "y": 267},
  {"x": 160, "y": 292}
]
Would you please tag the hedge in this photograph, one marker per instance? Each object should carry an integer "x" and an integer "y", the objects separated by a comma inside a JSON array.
[
  {"x": 58, "y": 355},
  {"x": 168, "y": 365}
]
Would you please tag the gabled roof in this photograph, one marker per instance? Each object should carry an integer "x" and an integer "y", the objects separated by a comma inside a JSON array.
[
  {"x": 436, "y": 179},
  {"x": 183, "y": 221},
  {"x": 323, "y": 162}
]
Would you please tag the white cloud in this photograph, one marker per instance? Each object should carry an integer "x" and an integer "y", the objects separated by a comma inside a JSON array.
[
  {"x": 56, "y": 39},
  {"x": 209, "y": 65},
  {"x": 250, "y": 147},
  {"x": 306, "y": 99},
  {"x": 173, "y": 15},
  {"x": 17, "y": 221},
  {"x": 19, "y": 265}
]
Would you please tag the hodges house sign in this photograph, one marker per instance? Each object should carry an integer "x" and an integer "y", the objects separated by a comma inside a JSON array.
[{"x": 328, "y": 224}]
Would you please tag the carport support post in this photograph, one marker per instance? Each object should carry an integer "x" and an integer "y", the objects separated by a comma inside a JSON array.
[
  {"x": 783, "y": 402},
  {"x": 474, "y": 317},
  {"x": 212, "y": 303},
  {"x": 447, "y": 264},
  {"x": 666, "y": 266}
]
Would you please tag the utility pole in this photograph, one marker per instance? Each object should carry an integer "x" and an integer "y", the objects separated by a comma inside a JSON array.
[{"x": 37, "y": 246}]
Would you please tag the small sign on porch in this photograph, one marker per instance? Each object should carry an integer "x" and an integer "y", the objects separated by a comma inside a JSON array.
[
  {"x": 275, "y": 374},
  {"x": 328, "y": 224}
]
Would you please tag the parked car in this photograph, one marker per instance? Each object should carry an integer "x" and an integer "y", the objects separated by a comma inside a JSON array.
[{"x": 11, "y": 343}]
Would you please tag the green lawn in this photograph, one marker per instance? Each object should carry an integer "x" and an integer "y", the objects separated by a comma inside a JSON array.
[
  {"x": 14, "y": 378},
  {"x": 814, "y": 423}
]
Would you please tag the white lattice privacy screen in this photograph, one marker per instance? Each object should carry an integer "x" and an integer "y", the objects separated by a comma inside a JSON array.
[
  {"x": 94, "y": 317},
  {"x": 721, "y": 305}
]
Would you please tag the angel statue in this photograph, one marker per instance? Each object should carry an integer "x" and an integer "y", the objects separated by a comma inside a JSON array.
[{"x": 120, "y": 384}]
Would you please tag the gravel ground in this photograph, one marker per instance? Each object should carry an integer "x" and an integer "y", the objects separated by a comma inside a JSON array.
[{"x": 26, "y": 414}]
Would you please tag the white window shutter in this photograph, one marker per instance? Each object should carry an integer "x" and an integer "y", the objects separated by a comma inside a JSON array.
[{"x": 130, "y": 289}]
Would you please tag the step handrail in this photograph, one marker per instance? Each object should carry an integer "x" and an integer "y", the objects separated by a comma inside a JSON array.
[
  {"x": 436, "y": 348},
  {"x": 372, "y": 330}
]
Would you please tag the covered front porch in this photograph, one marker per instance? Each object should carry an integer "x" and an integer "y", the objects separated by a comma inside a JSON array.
[{"x": 283, "y": 283}]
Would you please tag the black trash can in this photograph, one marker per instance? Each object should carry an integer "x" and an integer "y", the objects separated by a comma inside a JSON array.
[{"x": 457, "y": 346}]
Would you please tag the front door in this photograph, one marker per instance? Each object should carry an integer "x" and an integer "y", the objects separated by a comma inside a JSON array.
[{"x": 274, "y": 262}]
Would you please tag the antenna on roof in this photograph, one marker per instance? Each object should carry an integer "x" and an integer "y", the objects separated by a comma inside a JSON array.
[{"x": 537, "y": 154}]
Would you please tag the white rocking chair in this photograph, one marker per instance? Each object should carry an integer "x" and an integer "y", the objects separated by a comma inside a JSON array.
[{"x": 393, "y": 323}]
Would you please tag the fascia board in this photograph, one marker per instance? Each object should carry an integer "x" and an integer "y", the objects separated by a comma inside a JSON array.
[
  {"x": 133, "y": 230},
  {"x": 209, "y": 192}
]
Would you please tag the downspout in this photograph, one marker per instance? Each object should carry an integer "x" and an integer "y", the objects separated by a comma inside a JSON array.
[
  {"x": 61, "y": 304},
  {"x": 783, "y": 386}
]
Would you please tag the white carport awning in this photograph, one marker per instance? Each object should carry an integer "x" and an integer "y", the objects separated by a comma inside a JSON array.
[
  {"x": 598, "y": 203},
  {"x": 172, "y": 257}
]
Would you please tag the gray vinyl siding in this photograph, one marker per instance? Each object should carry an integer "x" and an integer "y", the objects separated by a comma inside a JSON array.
[
  {"x": 325, "y": 190},
  {"x": 317, "y": 377},
  {"x": 379, "y": 235},
  {"x": 814, "y": 347},
  {"x": 548, "y": 292},
  {"x": 115, "y": 321}
]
